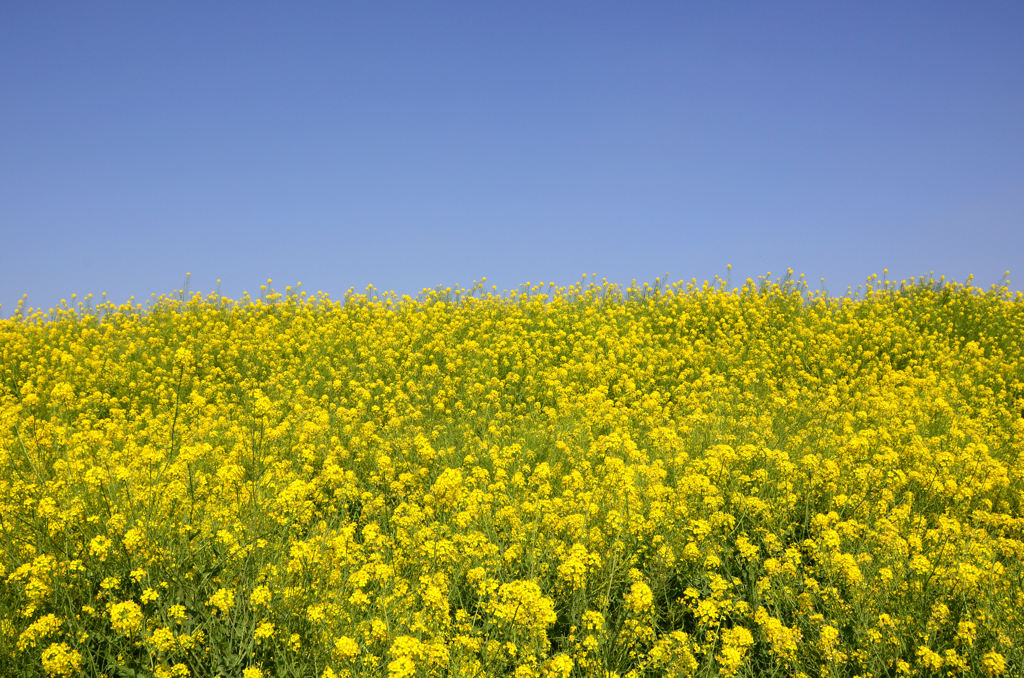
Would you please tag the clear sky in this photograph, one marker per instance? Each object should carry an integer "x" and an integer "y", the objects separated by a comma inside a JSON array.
[{"x": 411, "y": 145}]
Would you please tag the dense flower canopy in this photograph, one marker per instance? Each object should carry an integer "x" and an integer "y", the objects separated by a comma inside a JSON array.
[{"x": 584, "y": 481}]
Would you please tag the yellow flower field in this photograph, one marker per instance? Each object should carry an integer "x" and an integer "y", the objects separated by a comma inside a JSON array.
[{"x": 666, "y": 480}]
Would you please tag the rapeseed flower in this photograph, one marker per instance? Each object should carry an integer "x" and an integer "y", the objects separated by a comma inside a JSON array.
[
  {"x": 61, "y": 660},
  {"x": 125, "y": 617}
]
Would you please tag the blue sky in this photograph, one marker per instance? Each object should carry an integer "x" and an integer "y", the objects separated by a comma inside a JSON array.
[{"x": 421, "y": 144}]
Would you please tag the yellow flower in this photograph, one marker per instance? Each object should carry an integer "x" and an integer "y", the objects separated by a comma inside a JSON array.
[
  {"x": 223, "y": 600},
  {"x": 402, "y": 667},
  {"x": 560, "y": 666},
  {"x": 260, "y": 596},
  {"x": 176, "y": 671},
  {"x": 63, "y": 392},
  {"x": 61, "y": 660},
  {"x": 929, "y": 658},
  {"x": 573, "y": 569},
  {"x": 784, "y": 640},
  {"x": 264, "y": 630},
  {"x": 346, "y": 648},
  {"x": 829, "y": 644},
  {"x": 640, "y": 597},
  {"x": 132, "y": 539},
  {"x": 993, "y": 663},
  {"x": 315, "y": 614},
  {"x": 522, "y": 603},
  {"x": 735, "y": 642},
  {"x": 405, "y": 650},
  {"x": 920, "y": 564},
  {"x": 125, "y": 617},
  {"x": 100, "y": 546},
  {"x": 593, "y": 620},
  {"x": 707, "y": 611},
  {"x": 378, "y": 630},
  {"x": 41, "y": 628}
]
